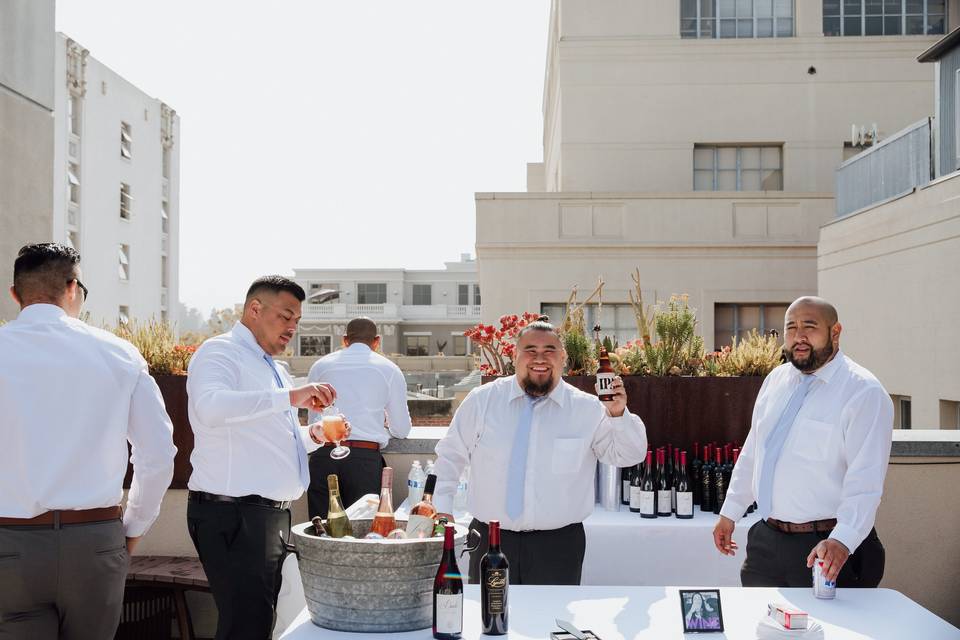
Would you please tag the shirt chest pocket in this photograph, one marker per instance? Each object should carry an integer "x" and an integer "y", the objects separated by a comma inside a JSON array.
[
  {"x": 813, "y": 439},
  {"x": 567, "y": 455}
]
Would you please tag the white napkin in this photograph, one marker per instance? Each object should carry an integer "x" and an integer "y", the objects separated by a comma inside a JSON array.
[
  {"x": 770, "y": 629},
  {"x": 364, "y": 508}
]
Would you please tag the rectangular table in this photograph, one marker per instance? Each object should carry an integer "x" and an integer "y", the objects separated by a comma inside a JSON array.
[{"x": 619, "y": 613}]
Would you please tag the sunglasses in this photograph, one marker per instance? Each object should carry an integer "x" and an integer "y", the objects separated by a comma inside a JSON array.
[{"x": 86, "y": 292}]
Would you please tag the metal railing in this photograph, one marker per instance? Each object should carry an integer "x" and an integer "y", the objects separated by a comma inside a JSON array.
[{"x": 893, "y": 167}]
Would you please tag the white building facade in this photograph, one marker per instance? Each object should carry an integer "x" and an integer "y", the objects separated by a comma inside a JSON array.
[
  {"x": 116, "y": 188},
  {"x": 697, "y": 141},
  {"x": 418, "y": 312}
]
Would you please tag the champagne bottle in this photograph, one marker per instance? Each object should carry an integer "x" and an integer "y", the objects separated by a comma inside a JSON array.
[
  {"x": 663, "y": 485},
  {"x": 695, "y": 465},
  {"x": 719, "y": 482},
  {"x": 420, "y": 522},
  {"x": 648, "y": 496},
  {"x": 494, "y": 582},
  {"x": 706, "y": 482},
  {"x": 338, "y": 525},
  {"x": 684, "y": 490},
  {"x": 385, "y": 522},
  {"x": 448, "y": 593}
]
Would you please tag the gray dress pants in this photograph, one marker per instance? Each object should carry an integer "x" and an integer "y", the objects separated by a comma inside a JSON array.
[{"x": 62, "y": 583}]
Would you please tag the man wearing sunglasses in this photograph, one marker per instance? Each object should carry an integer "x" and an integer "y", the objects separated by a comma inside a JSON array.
[{"x": 73, "y": 397}]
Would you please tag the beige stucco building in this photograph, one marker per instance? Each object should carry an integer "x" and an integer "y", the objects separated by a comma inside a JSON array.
[{"x": 709, "y": 163}]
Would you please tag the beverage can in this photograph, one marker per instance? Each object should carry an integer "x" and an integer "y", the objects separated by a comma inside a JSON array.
[{"x": 822, "y": 588}]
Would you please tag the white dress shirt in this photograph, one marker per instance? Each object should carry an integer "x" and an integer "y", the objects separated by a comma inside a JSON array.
[
  {"x": 570, "y": 431},
  {"x": 834, "y": 461},
  {"x": 367, "y": 385},
  {"x": 243, "y": 424},
  {"x": 73, "y": 396}
]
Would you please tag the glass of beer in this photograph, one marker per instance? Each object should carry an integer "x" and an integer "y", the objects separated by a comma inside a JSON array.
[{"x": 335, "y": 430}]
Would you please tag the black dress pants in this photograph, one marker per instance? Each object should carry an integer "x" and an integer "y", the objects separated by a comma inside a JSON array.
[
  {"x": 242, "y": 554},
  {"x": 358, "y": 474},
  {"x": 553, "y": 556},
  {"x": 778, "y": 559}
]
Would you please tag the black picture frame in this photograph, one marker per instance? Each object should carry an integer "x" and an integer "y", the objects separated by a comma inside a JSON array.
[{"x": 708, "y": 617}]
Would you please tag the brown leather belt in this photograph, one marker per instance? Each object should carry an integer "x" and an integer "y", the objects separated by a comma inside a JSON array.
[
  {"x": 358, "y": 444},
  {"x": 803, "y": 527},
  {"x": 57, "y": 518}
]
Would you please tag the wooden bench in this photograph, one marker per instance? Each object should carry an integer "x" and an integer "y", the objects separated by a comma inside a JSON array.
[{"x": 173, "y": 575}]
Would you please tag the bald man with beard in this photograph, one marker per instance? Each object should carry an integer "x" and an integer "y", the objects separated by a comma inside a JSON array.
[{"x": 815, "y": 461}]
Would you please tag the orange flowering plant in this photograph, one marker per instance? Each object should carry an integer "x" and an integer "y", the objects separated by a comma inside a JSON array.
[{"x": 498, "y": 346}]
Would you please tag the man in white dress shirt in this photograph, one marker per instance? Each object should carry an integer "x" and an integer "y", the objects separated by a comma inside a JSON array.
[
  {"x": 249, "y": 457},
  {"x": 814, "y": 461},
  {"x": 532, "y": 442},
  {"x": 73, "y": 396},
  {"x": 371, "y": 390}
]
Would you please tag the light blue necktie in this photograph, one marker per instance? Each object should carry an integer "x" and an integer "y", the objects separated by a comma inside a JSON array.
[
  {"x": 516, "y": 474},
  {"x": 301, "y": 451},
  {"x": 775, "y": 442}
]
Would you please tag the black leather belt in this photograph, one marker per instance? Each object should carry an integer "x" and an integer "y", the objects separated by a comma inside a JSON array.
[{"x": 203, "y": 496}]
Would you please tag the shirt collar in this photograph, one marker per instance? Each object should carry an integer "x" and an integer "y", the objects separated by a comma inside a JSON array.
[
  {"x": 41, "y": 312},
  {"x": 558, "y": 395},
  {"x": 827, "y": 371},
  {"x": 358, "y": 346},
  {"x": 245, "y": 337}
]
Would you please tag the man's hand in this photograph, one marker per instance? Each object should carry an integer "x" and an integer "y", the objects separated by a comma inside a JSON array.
[
  {"x": 132, "y": 544},
  {"x": 618, "y": 405},
  {"x": 834, "y": 555},
  {"x": 723, "y": 536},
  {"x": 314, "y": 396},
  {"x": 316, "y": 432}
]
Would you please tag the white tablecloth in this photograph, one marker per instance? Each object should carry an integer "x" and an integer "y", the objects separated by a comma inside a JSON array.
[
  {"x": 625, "y": 549},
  {"x": 617, "y": 613}
]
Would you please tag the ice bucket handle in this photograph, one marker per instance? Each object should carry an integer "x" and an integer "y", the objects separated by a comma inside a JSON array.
[
  {"x": 470, "y": 549},
  {"x": 288, "y": 547}
]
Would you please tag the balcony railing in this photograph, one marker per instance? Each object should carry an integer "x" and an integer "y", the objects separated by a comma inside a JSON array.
[
  {"x": 466, "y": 313},
  {"x": 893, "y": 167}
]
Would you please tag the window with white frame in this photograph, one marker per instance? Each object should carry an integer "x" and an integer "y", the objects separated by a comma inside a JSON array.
[
  {"x": 123, "y": 315},
  {"x": 315, "y": 345},
  {"x": 737, "y": 168},
  {"x": 123, "y": 268},
  {"x": 883, "y": 17},
  {"x": 73, "y": 179},
  {"x": 164, "y": 278},
  {"x": 73, "y": 114},
  {"x": 371, "y": 292},
  {"x": 476, "y": 295},
  {"x": 902, "y": 411},
  {"x": 422, "y": 294},
  {"x": 736, "y": 18},
  {"x": 459, "y": 345},
  {"x": 463, "y": 294},
  {"x": 126, "y": 201},
  {"x": 165, "y": 216},
  {"x": 417, "y": 345},
  {"x": 165, "y": 160},
  {"x": 616, "y": 320},
  {"x": 126, "y": 140},
  {"x": 737, "y": 320}
]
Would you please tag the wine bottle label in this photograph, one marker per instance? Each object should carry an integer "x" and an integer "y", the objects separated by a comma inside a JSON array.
[
  {"x": 684, "y": 503},
  {"x": 646, "y": 502},
  {"x": 663, "y": 501},
  {"x": 495, "y": 581},
  {"x": 449, "y": 612},
  {"x": 419, "y": 527},
  {"x": 636, "y": 497}
]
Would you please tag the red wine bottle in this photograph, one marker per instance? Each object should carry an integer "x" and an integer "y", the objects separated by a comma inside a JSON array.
[
  {"x": 625, "y": 474},
  {"x": 674, "y": 479},
  {"x": 706, "y": 482},
  {"x": 695, "y": 465},
  {"x": 448, "y": 593},
  {"x": 663, "y": 485},
  {"x": 633, "y": 490},
  {"x": 684, "y": 490},
  {"x": 719, "y": 482},
  {"x": 648, "y": 493},
  {"x": 494, "y": 581}
]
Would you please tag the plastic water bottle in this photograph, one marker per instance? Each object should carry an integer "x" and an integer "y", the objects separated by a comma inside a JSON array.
[
  {"x": 460, "y": 498},
  {"x": 416, "y": 480},
  {"x": 430, "y": 467}
]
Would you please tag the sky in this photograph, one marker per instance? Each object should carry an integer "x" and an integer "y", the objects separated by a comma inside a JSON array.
[{"x": 320, "y": 134}]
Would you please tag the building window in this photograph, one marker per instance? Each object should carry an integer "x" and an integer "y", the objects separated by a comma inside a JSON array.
[
  {"x": 164, "y": 278},
  {"x": 315, "y": 345},
  {"x": 422, "y": 294},
  {"x": 459, "y": 345},
  {"x": 417, "y": 345},
  {"x": 165, "y": 160},
  {"x": 126, "y": 201},
  {"x": 738, "y": 320},
  {"x": 476, "y": 295},
  {"x": 73, "y": 178},
  {"x": 126, "y": 140},
  {"x": 883, "y": 17},
  {"x": 901, "y": 412},
  {"x": 736, "y": 168},
  {"x": 949, "y": 414},
  {"x": 736, "y": 18},
  {"x": 123, "y": 316},
  {"x": 124, "y": 265},
  {"x": 463, "y": 294},
  {"x": 616, "y": 320},
  {"x": 371, "y": 293},
  {"x": 165, "y": 216}
]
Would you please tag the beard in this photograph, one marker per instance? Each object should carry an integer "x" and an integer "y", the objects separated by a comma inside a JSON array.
[
  {"x": 535, "y": 389},
  {"x": 816, "y": 359}
]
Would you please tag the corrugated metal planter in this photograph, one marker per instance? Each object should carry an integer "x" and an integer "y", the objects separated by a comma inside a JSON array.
[{"x": 370, "y": 586}]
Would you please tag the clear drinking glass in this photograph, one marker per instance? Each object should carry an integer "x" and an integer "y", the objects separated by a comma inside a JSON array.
[{"x": 335, "y": 430}]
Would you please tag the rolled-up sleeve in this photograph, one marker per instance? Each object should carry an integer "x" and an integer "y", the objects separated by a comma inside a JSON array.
[
  {"x": 453, "y": 452},
  {"x": 150, "y": 434},
  {"x": 867, "y": 440},
  {"x": 398, "y": 423},
  {"x": 211, "y": 388},
  {"x": 621, "y": 441}
]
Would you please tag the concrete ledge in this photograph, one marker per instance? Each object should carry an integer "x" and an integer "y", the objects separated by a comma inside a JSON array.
[{"x": 906, "y": 442}]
